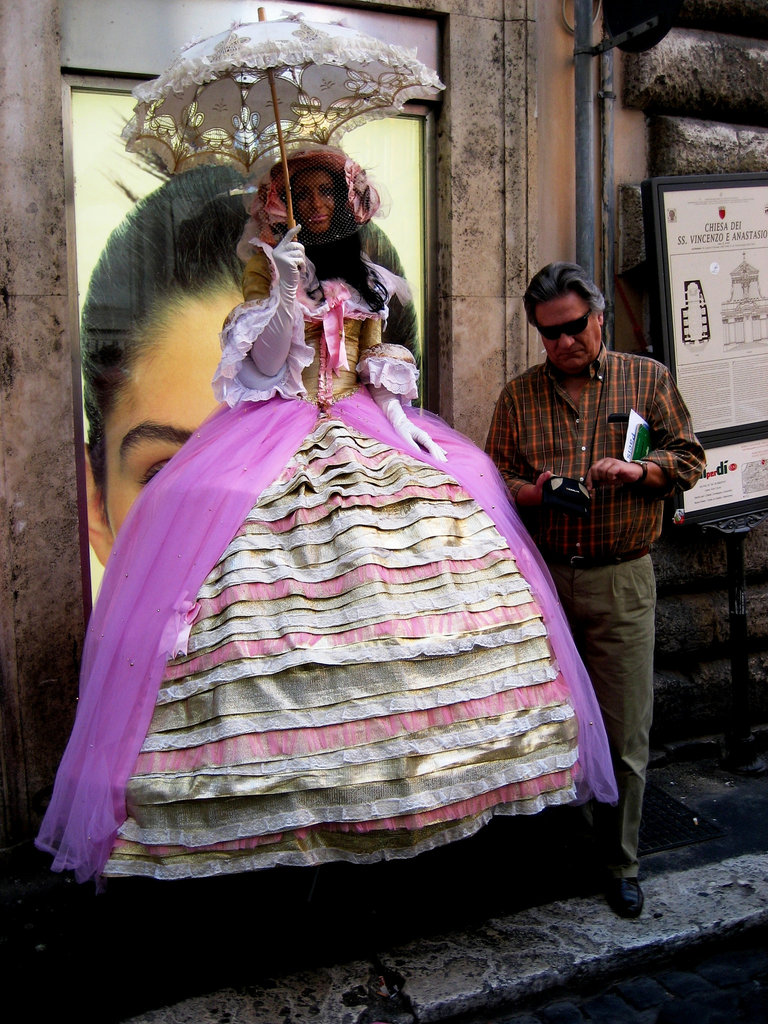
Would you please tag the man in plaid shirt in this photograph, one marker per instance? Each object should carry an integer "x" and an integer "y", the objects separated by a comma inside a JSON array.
[{"x": 567, "y": 418}]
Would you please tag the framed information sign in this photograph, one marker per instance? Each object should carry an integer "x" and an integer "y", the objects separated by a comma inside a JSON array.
[{"x": 707, "y": 238}]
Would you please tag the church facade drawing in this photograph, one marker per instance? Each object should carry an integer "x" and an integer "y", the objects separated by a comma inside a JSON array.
[{"x": 745, "y": 314}]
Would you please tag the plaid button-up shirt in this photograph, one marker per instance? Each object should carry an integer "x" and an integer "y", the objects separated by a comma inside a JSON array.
[{"x": 537, "y": 426}]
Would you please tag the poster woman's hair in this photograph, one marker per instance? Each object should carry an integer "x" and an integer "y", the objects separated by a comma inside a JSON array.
[{"x": 180, "y": 239}]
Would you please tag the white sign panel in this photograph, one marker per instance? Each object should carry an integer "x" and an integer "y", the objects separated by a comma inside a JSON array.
[
  {"x": 735, "y": 473},
  {"x": 708, "y": 238},
  {"x": 718, "y": 270}
]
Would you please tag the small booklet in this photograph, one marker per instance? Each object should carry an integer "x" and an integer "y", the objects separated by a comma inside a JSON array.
[{"x": 637, "y": 443}]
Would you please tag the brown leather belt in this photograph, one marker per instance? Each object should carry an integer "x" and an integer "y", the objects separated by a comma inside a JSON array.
[{"x": 587, "y": 562}]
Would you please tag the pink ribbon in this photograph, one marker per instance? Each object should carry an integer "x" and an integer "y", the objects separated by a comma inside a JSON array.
[
  {"x": 333, "y": 325},
  {"x": 333, "y": 330}
]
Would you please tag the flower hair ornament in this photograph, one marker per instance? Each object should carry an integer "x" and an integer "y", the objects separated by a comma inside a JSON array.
[{"x": 364, "y": 200}]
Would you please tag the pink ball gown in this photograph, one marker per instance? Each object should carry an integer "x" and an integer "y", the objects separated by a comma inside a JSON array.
[{"x": 314, "y": 642}]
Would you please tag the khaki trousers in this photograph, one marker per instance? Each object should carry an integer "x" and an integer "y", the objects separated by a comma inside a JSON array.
[{"x": 611, "y": 610}]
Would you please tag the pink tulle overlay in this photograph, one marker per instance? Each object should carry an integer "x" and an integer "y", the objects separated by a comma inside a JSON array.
[{"x": 148, "y": 602}]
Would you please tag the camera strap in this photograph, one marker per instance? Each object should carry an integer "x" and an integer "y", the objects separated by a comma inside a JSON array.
[{"x": 554, "y": 413}]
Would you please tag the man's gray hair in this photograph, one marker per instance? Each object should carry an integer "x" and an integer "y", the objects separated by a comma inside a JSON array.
[{"x": 556, "y": 280}]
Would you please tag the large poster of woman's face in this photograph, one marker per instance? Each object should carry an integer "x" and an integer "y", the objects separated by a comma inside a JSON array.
[{"x": 158, "y": 272}]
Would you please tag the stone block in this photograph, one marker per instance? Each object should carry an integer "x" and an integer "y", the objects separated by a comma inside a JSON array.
[
  {"x": 734, "y": 967},
  {"x": 477, "y": 362},
  {"x": 686, "y": 623},
  {"x": 700, "y": 74},
  {"x": 685, "y": 556},
  {"x": 745, "y": 17},
  {"x": 686, "y": 984},
  {"x": 643, "y": 993},
  {"x": 631, "y": 236},
  {"x": 561, "y": 1013},
  {"x": 32, "y": 200},
  {"x": 698, "y": 701},
  {"x": 683, "y": 706},
  {"x": 519, "y": 9},
  {"x": 474, "y": 180},
  {"x": 523, "y": 347},
  {"x": 608, "y": 1008},
  {"x": 520, "y": 150},
  {"x": 42, "y": 622},
  {"x": 690, "y": 623},
  {"x": 684, "y": 145},
  {"x": 724, "y": 973}
]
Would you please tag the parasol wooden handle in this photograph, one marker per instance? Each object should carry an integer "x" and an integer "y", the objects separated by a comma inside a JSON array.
[{"x": 281, "y": 145}]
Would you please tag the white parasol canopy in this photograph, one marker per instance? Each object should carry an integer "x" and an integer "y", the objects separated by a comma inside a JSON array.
[{"x": 215, "y": 102}]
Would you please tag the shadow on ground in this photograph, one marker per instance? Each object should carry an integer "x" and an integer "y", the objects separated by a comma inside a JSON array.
[{"x": 149, "y": 944}]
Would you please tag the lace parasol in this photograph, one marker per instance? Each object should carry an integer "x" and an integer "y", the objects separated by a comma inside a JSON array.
[{"x": 215, "y": 101}]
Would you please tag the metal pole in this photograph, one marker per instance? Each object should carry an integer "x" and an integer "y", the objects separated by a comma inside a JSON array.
[
  {"x": 607, "y": 99},
  {"x": 584, "y": 155},
  {"x": 740, "y": 743}
]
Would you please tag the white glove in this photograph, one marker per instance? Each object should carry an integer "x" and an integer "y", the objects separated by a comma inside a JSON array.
[
  {"x": 412, "y": 435},
  {"x": 270, "y": 350},
  {"x": 289, "y": 258}
]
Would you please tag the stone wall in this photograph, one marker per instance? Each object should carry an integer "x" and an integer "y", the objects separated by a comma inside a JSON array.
[
  {"x": 702, "y": 90},
  {"x": 41, "y": 610}
]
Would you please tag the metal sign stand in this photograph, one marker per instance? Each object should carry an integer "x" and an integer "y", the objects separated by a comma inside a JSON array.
[{"x": 740, "y": 753}]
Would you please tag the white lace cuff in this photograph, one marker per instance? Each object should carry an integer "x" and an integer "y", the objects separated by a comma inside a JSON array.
[
  {"x": 393, "y": 368},
  {"x": 236, "y": 378}
]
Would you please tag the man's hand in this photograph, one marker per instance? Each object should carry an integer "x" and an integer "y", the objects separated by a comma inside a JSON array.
[
  {"x": 530, "y": 495},
  {"x": 612, "y": 473},
  {"x": 615, "y": 473}
]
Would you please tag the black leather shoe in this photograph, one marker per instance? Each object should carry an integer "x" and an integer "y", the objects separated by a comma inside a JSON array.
[{"x": 625, "y": 897}]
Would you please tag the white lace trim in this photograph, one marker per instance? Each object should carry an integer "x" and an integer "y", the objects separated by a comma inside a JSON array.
[
  {"x": 249, "y": 619},
  {"x": 290, "y": 42},
  {"x": 369, "y": 705},
  {"x": 248, "y": 320},
  {"x": 303, "y": 816},
  {"x": 396, "y": 376},
  {"x": 222, "y": 862},
  {"x": 394, "y": 649},
  {"x": 243, "y": 326},
  {"x": 465, "y": 733}
]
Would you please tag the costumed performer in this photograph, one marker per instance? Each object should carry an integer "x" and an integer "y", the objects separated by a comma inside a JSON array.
[{"x": 323, "y": 633}]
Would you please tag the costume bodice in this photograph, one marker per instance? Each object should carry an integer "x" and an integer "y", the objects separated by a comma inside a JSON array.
[
  {"x": 324, "y": 382},
  {"x": 326, "y": 330}
]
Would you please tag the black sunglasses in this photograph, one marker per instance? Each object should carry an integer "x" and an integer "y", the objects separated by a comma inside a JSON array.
[{"x": 572, "y": 328}]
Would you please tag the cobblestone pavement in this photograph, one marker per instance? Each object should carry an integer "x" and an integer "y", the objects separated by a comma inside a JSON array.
[{"x": 725, "y": 987}]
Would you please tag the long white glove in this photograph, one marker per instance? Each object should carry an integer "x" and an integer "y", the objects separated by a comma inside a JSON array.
[
  {"x": 412, "y": 435},
  {"x": 270, "y": 349}
]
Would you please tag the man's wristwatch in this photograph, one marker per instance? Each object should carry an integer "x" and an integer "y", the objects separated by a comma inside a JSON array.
[{"x": 644, "y": 464}]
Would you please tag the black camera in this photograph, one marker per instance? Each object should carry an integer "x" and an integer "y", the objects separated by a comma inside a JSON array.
[{"x": 567, "y": 495}]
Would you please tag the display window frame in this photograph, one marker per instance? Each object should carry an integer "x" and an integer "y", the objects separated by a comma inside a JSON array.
[{"x": 86, "y": 183}]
